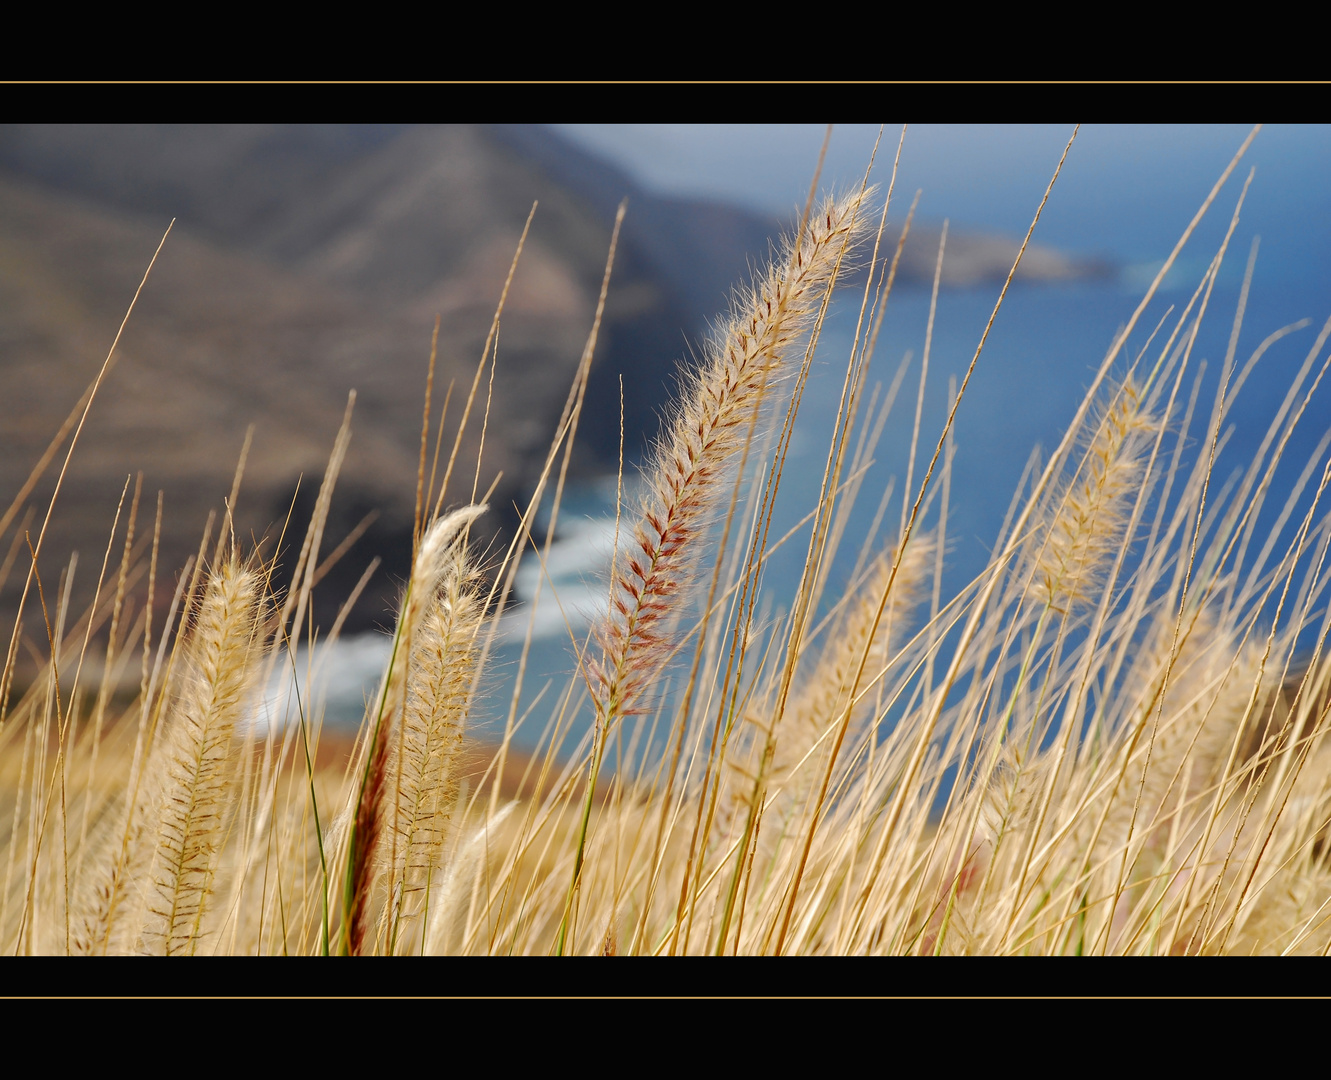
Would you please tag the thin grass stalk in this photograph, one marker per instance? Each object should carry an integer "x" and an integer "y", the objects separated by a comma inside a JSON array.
[
  {"x": 64, "y": 468},
  {"x": 917, "y": 759},
  {"x": 574, "y": 414}
]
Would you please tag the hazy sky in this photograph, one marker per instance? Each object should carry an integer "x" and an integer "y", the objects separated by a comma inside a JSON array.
[{"x": 1126, "y": 191}]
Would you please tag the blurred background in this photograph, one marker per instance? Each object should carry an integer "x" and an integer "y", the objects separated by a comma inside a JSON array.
[{"x": 308, "y": 261}]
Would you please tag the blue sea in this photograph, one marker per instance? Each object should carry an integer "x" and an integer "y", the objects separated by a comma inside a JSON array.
[{"x": 1046, "y": 344}]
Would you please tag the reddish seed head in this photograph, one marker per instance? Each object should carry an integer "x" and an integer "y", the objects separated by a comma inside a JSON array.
[{"x": 694, "y": 458}]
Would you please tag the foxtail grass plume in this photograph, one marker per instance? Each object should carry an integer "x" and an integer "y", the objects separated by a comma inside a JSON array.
[
  {"x": 1089, "y": 522},
  {"x": 374, "y": 809},
  {"x": 424, "y": 749},
  {"x": 742, "y": 359},
  {"x": 197, "y": 758}
]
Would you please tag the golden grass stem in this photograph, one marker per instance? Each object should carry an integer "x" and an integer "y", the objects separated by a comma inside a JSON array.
[{"x": 64, "y": 468}]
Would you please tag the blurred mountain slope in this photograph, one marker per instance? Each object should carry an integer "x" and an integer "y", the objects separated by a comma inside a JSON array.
[{"x": 307, "y": 261}]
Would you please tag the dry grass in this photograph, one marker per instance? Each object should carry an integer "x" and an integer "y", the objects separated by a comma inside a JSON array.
[{"x": 1112, "y": 741}]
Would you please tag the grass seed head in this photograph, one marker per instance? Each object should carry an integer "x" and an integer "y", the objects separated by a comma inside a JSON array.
[
  {"x": 744, "y": 356},
  {"x": 1088, "y": 523}
]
